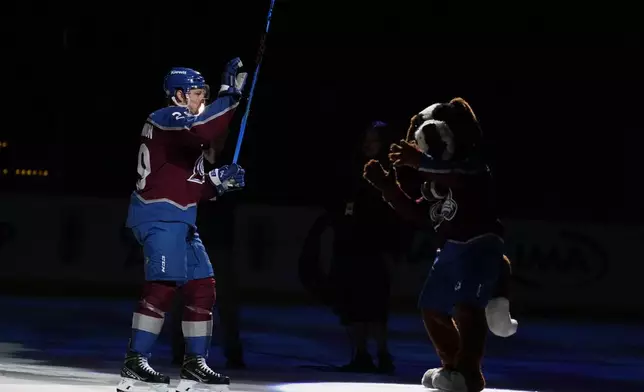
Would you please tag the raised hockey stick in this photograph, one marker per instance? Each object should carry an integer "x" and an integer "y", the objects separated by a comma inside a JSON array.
[{"x": 260, "y": 55}]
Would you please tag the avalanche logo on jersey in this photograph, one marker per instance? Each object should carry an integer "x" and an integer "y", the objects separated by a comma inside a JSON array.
[
  {"x": 444, "y": 208},
  {"x": 198, "y": 172}
]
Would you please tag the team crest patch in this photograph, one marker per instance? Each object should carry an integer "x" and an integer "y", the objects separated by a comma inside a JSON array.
[{"x": 443, "y": 210}]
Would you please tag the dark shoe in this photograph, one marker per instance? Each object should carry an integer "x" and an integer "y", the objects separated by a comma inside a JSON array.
[
  {"x": 362, "y": 363},
  {"x": 386, "y": 363}
]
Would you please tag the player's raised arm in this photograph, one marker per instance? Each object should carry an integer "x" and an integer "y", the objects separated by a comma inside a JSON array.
[{"x": 196, "y": 123}]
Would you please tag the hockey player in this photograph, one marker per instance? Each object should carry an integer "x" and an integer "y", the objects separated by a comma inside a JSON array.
[
  {"x": 465, "y": 272},
  {"x": 162, "y": 214}
]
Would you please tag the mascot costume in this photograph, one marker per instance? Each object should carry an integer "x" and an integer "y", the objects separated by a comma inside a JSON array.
[{"x": 467, "y": 288}]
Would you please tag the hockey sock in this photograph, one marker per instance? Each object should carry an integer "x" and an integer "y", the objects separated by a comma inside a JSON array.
[
  {"x": 148, "y": 318},
  {"x": 200, "y": 298}
]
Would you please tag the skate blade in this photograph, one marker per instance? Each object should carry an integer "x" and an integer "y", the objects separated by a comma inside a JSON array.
[
  {"x": 129, "y": 385},
  {"x": 193, "y": 386}
]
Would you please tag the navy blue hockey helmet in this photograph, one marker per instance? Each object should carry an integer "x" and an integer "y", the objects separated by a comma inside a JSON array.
[{"x": 184, "y": 79}]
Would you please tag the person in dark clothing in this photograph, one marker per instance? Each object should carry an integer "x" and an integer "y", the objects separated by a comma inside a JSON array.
[{"x": 359, "y": 276}]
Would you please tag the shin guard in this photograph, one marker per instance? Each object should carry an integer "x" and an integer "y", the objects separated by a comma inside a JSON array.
[
  {"x": 149, "y": 316},
  {"x": 197, "y": 324}
]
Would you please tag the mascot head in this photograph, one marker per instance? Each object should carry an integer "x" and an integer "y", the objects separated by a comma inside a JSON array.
[{"x": 448, "y": 131}]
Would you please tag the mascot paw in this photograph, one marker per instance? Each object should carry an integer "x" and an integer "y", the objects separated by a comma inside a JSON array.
[
  {"x": 445, "y": 380},
  {"x": 377, "y": 176},
  {"x": 428, "y": 378},
  {"x": 405, "y": 154}
]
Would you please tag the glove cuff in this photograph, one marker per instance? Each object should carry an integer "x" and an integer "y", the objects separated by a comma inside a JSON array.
[
  {"x": 213, "y": 175},
  {"x": 233, "y": 84},
  {"x": 219, "y": 185},
  {"x": 226, "y": 90}
]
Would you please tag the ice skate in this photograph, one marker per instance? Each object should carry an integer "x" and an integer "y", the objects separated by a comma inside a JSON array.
[
  {"x": 196, "y": 374},
  {"x": 136, "y": 370}
]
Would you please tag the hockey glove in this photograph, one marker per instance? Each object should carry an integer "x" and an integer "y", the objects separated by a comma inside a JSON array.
[
  {"x": 227, "y": 178},
  {"x": 233, "y": 81}
]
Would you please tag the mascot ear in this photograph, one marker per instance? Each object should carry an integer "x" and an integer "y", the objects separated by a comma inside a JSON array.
[
  {"x": 462, "y": 108},
  {"x": 465, "y": 125}
]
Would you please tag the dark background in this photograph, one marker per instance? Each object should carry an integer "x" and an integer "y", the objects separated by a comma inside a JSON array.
[{"x": 556, "y": 87}]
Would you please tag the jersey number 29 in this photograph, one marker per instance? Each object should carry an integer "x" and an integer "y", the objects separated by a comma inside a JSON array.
[{"x": 143, "y": 166}]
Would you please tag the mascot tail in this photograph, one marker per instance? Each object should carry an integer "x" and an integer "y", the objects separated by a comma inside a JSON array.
[{"x": 497, "y": 312}]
